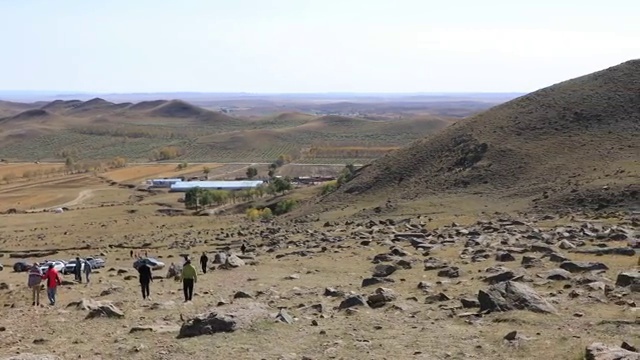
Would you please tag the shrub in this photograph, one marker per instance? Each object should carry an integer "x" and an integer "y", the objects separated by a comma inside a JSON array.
[
  {"x": 285, "y": 206},
  {"x": 329, "y": 187},
  {"x": 266, "y": 214}
]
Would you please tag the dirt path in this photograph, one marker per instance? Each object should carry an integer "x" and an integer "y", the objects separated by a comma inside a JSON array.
[{"x": 83, "y": 196}]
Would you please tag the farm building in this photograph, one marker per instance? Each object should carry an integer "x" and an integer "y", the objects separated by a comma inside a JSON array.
[
  {"x": 163, "y": 183},
  {"x": 184, "y": 186}
]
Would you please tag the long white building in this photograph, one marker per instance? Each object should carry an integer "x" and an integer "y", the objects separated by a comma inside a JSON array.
[
  {"x": 163, "y": 183},
  {"x": 184, "y": 186}
]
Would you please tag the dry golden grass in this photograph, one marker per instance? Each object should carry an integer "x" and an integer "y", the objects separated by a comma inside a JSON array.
[{"x": 421, "y": 331}]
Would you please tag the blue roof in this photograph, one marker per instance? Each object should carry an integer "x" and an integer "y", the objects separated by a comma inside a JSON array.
[
  {"x": 217, "y": 184},
  {"x": 174, "y": 180}
]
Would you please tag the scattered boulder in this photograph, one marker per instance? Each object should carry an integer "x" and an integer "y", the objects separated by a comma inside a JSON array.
[
  {"x": 233, "y": 261},
  {"x": 582, "y": 266},
  {"x": 97, "y": 308},
  {"x": 384, "y": 270},
  {"x": 510, "y": 295},
  {"x": 284, "y": 317},
  {"x": 381, "y": 297},
  {"x": 505, "y": 256},
  {"x": 212, "y": 322},
  {"x": 628, "y": 278},
  {"x": 450, "y": 272},
  {"x": 599, "y": 351},
  {"x": 208, "y": 324},
  {"x": 352, "y": 301}
]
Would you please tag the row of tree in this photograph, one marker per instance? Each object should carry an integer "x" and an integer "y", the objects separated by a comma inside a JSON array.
[{"x": 198, "y": 198}]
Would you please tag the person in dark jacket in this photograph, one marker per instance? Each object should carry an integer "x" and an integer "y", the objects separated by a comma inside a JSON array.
[
  {"x": 78, "y": 270},
  {"x": 146, "y": 278},
  {"x": 203, "y": 261}
]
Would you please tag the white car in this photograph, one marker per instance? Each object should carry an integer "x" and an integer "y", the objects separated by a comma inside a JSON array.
[
  {"x": 153, "y": 263},
  {"x": 58, "y": 265},
  {"x": 70, "y": 266}
]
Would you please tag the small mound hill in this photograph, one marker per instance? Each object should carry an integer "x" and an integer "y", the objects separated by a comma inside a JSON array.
[
  {"x": 146, "y": 105},
  {"x": 293, "y": 116},
  {"x": 177, "y": 109},
  {"x": 10, "y": 108},
  {"x": 57, "y": 106},
  {"x": 562, "y": 138},
  {"x": 32, "y": 114}
]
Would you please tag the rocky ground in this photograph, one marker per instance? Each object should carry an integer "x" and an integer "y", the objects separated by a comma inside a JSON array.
[{"x": 497, "y": 287}]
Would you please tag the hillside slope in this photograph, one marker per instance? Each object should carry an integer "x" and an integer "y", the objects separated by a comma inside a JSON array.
[{"x": 564, "y": 138}]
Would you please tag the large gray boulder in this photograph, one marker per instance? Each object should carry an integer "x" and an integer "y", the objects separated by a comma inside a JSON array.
[
  {"x": 207, "y": 324},
  {"x": 235, "y": 317},
  {"x": 510, "y": 295},
  {"x": 628, "y": 278}
]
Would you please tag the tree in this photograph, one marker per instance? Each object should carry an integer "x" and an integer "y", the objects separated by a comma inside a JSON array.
[
  {"x": 347, "y": 174},
  {"x": 183, "y": 165},
  {"x": 206, "y": 170},
  {"x": 220, "y": 197},
  {"x": 118, "y": 162},
  {"x": 281, "y": 185},
  {"x": 271, "y": 173},
  {"x": 69, "y": 165},
  {"x": 193, "y": 198},
  {"x": 252, "y": 172}
]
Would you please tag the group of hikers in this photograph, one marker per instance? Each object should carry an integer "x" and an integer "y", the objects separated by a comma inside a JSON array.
[
  {"x": 52, "y": 279},
  {"x": 188, "y": 276}
]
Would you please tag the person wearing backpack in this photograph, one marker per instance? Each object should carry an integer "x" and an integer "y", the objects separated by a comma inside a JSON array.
[{"x": 34, "y": 282}]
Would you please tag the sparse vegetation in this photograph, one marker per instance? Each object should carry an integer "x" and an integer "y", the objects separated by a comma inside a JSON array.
[
  {"x": 285, "y": 206},
  {"x": 252, "y": 172},
  {"x": 183, "y": 165},
  {"x": 167, "y": 153}
]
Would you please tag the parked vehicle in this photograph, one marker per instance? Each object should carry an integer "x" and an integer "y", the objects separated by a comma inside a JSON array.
[
  {"x": 153, "y": 263},
  {"x": 57, "y": 264},
  {"x": 96, "y": 263},
  {"x": 1, "y": 267},
  {"x": 21, "y": 266},
  {"x": 70, "y": 267}
]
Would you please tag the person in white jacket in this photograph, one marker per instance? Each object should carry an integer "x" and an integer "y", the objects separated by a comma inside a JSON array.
[{"x": 35, "y": 279}]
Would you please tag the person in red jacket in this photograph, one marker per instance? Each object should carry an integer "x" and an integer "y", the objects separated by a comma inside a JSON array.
[{"x": 52, "y": 277}]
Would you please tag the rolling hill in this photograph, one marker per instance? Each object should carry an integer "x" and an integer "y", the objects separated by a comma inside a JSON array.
[
  {"x": 570, "y": 138},
  {"x": 100, "y": 129}
]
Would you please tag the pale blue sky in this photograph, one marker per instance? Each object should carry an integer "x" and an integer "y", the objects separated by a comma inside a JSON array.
[{"x": 310, "y": 45}]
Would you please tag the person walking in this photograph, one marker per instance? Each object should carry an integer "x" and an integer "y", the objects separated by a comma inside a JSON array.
[
  {"x": 146, "y": 278},
  {"x": 87, "y": 270},
  {"x": 35, "y": 279},
  {"x": 203, "y": 261},
  {"x": 53, "y": 280},
  {"x": 189, "y": 278},
  {"x": 77, "y": 271}
]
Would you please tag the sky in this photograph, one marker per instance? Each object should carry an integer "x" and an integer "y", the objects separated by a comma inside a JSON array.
[{"x": 298, "y": 46}]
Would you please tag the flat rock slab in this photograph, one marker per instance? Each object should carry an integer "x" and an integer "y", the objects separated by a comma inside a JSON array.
[
  {"x": 235, "y": 317},
  {"x": 599, "y": 351}
]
